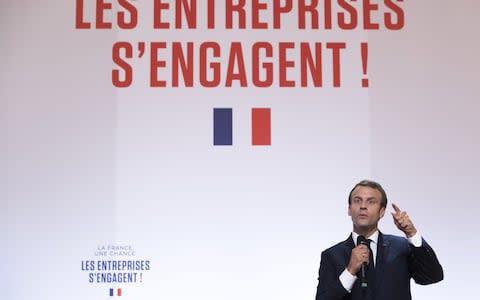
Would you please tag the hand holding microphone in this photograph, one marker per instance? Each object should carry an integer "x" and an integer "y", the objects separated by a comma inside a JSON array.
[{"x": 359, "y": 260}]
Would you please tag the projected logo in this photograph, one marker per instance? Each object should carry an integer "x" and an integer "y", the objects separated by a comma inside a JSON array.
[
  {"x": 260, "y": 125},
  {"x": 115, "y": 267}
]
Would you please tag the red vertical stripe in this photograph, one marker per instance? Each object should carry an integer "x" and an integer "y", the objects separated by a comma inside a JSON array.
[
  {"x": 119, "y": 292},
  {"x": 261, "y": 126}
]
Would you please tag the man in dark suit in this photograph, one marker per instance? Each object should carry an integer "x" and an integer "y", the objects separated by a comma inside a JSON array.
[{"x": 372, "y": 265}]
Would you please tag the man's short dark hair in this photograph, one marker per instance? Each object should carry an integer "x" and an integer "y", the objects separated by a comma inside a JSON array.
[{"x": 374, "y": 185}]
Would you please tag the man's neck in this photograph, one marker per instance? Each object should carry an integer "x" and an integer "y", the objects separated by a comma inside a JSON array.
[{"x": 366, "y": 232}]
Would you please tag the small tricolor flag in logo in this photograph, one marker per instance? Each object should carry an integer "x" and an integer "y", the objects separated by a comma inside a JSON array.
[
  {"x": 223, "y": 127},
  {"x": 119, "y": 292}
]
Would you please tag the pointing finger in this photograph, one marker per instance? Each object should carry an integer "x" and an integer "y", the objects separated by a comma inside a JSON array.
[
  {"x": 396, "y": 208},
  {"x": 394, "y": 219},
  {"x": 396, "y": 216}
]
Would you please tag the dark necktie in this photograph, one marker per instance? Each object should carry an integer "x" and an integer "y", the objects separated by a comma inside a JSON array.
[
  {"x": 371, "y": 265},
  {"x": 370, "y": 268}
]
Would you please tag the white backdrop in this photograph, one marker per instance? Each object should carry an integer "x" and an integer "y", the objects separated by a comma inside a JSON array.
[{"x": 85, "y": 164}]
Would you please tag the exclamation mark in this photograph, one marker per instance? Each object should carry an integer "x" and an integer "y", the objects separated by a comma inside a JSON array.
[{"x": 364, "y": 64}]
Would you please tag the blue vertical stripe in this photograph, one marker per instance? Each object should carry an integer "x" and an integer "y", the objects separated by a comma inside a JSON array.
[
  {"x": 111, "y": 292},
  {"x": 222, "y": 126}
]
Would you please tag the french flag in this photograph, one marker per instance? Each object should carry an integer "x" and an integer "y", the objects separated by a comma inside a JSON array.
[
  {"x": 223, "y": 127},
  {"x": 119, "y": 292}
]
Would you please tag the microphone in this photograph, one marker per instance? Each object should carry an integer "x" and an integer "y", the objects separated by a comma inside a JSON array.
[{"x": 363, "y": 278}]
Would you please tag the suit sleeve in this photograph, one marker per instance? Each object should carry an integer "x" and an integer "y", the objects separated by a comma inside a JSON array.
[
  {"x": 329, "y": 285},
  {"x": 424, "y": 265}
]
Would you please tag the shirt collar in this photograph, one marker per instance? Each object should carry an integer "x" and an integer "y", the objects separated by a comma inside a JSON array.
[{"x": 373, "y": 238}]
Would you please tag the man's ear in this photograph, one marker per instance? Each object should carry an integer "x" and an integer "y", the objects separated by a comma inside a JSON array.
[
  {"x": 382, "y": 212},
  {"x": 349, "y": 213}
]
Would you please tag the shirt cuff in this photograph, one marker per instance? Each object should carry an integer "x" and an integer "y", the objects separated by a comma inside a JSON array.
[
  {"x": 347, "y": 280},
  {"x": 416, "y": 240}
]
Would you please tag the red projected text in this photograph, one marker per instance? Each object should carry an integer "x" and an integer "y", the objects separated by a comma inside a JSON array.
[
  {"x": 203, "y": 55},
  {"x": 188, "y": 64}
]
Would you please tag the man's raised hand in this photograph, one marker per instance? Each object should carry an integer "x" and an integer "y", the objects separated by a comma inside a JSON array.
[{"x": 403, "y": 222}]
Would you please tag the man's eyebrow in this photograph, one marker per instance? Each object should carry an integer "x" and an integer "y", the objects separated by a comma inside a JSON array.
[{"x": 369, "y": 198}]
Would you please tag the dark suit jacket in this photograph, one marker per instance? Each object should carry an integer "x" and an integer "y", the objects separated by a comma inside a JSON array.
[{"x": 397, "y": 261}]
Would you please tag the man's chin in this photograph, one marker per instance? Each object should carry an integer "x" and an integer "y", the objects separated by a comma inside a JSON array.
[
  {"x": 364, "y": 226},
  {"x": 363, "y": 223}
]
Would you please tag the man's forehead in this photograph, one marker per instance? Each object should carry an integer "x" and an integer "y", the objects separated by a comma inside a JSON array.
[{"x": 366, "y": 192}]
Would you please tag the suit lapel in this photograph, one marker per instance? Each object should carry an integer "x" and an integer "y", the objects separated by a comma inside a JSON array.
[
  {"x": 383, "y": 249},
  {"x": 348, "y": 246}
]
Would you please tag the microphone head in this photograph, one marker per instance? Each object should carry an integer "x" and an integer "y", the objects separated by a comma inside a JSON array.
[{"x": 361, "y": 240}]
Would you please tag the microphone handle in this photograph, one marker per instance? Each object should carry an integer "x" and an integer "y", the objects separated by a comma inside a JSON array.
[{"x": 363, "y": 277}]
